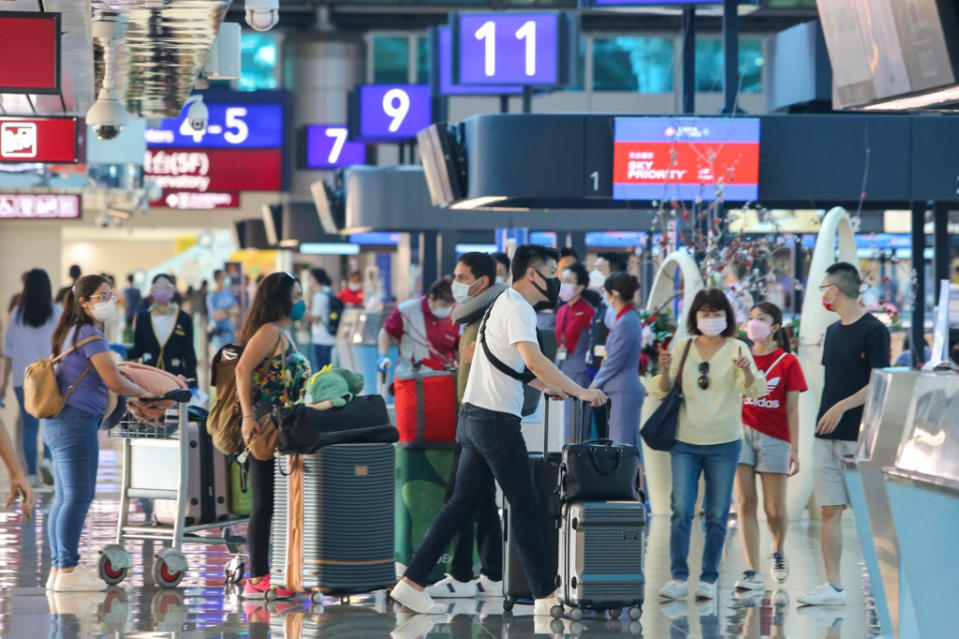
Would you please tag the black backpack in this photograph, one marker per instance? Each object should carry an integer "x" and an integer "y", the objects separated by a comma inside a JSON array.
[{"x": 336, "y": 313}]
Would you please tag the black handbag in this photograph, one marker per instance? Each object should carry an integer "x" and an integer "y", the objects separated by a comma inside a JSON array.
[
  {"x": 599, "y": 470},
  {"x": 659, "y": 431},
  {"x": 304, "y": 430}
]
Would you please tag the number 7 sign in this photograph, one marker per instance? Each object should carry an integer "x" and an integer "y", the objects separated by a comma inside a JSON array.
[{"x": 328, "y": 147}]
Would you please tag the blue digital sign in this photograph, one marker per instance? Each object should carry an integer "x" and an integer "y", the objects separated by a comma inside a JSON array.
[
  {"x": 442, "y": 42},
  {"x": 328, "y": 147},
  {"x": 393, "y": 112},
  {"x": 508, "y": 48},
  {"x": 230, "y": 126}
]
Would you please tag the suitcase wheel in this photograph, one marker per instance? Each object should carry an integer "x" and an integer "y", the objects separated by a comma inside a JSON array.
[
  {"x": 635, "y": 613},
  {"x": 507, "y": 605},
  {"x": 556, "y": 612},
  {"x": 576, "y": 614},
  {"x": 234, "y": 570},
  {"x": 316, "y": 597}
]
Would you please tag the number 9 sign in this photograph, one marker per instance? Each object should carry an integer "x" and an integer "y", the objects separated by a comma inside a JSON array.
[{"x": 390, "y": 113}]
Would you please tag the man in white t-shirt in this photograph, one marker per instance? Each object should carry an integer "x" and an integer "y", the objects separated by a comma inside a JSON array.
[
  {"x": 489, "y": 432},
  {"x": 321, "y": 339}
]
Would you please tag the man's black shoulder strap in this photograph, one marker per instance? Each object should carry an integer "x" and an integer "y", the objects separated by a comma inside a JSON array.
[{"x": 526, "y": 376}]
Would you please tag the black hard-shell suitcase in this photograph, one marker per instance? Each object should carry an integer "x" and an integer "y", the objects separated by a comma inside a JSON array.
[
  {"x": 209, "y": 488},
  {"x": 545, "y": 467}
]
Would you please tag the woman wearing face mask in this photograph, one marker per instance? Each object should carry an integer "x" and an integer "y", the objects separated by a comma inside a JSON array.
[
  {"x": 270, "y": 369},
  {"x": 573, "y": 320},
  {"x": 771, "y": 444},
  {"x": 423, "y": 330},
  {"x": 86, "y": 371},
  {"x": 717, "y": 373},
  {"x": 618, "y": 377},
  {"x": 163, "y": 334}
]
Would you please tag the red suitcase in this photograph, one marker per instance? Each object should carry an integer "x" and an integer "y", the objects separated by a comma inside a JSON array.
[{"x": 426, "y": 410}]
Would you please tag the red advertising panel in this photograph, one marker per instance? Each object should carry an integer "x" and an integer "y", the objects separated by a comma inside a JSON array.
[
  {"x": 32, "y": 40},
  {"x": 49, "y": 140},
  {"x": 215, "y": 170},
  {"x": 49, "y": 206}
]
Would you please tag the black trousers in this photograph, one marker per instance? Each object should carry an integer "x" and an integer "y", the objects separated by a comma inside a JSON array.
[
  {"x": 488, "y": 533},
  {"x": 260, "y": 480}
]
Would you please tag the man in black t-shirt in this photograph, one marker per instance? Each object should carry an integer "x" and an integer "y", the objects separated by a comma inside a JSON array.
[{"x": 854, "y": 345}]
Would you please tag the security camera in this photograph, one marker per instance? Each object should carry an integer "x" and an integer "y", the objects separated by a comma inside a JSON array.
[
  {"x": 107, "y": 115},
  {"x": 197, "y": 114},
  {"x": 262, "y": 15}
]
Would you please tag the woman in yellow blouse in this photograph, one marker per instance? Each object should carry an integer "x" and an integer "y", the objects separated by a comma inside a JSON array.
[{"x": 719, "y": 370}]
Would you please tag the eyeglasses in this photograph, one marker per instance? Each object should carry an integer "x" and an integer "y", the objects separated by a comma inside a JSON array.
[
  {"x": 825, "y": 286},
  {"x": 104, "y": 297},
  {"x": 704, "y": 375}
]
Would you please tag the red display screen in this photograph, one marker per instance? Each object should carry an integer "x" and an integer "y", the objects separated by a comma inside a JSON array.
[
  {"x": 38, "y": 140},
  {"x": 33, "y": 41},
  {"x": 215, "y": 170}
]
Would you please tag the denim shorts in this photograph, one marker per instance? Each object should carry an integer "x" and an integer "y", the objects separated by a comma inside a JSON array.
[{"x": 765, "y": 453}]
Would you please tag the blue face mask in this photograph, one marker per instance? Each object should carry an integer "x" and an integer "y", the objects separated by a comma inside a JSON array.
[{"x": 298, "y": 311}]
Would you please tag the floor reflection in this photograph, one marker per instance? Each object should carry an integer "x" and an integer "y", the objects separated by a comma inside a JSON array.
[{"x": 204, "y": 607}]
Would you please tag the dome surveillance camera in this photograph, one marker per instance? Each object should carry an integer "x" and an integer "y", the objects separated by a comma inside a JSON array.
[
  {"x": 197, "y": 114},
  {"x": 107, "y": 116},
  {"x": 262, "y": 15}
]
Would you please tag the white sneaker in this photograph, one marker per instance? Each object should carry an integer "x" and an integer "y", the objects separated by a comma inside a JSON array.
[
  {"x": 449, "y": 588},
  {"x": 779, "y": 567},
  {"x": 675, "y": 589},
  {"x": 82, "y": 579},
  {"x": 824, "y": 595},
  {"x": 543, "y": 607},
  {"x": 52, "y": 578},
  {"x": 416, "y": 600},
  {"x": 705, "y": 591},
  {"x": 828, "y": 616},
  {"x": 486, "y": 587},
  {"x": 751, "y": 581}
]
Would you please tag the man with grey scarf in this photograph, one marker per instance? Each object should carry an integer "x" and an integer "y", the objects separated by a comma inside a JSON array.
[{"x": 474, "y": 289}]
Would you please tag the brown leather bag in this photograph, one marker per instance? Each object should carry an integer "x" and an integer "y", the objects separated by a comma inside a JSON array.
[{"x": 41, "y": 390}]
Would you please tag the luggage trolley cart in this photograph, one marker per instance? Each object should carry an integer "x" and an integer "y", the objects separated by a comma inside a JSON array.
[{"x": 156, "y": 465}]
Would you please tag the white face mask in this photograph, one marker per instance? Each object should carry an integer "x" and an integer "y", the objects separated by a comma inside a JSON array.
[
  {"x": 442, "y": 313},
  {"x": 105, "y": 311},
  {"x": 461, "y": 292},
  {"x": 500, "y": 280},
  {"x": 711, "y": 326},
  {"x": 596, "y": 279},
  {"x": 610, "y": 317},
  {"x": 354, "y": 286}
]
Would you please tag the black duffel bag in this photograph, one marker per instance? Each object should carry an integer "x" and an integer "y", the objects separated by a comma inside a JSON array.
[
  {"x": 304, "y": 430},
  {"x": 599, "y": 470}
]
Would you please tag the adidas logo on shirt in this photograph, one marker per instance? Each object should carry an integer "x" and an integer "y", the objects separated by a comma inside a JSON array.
[{"x": 763, "y": 402}]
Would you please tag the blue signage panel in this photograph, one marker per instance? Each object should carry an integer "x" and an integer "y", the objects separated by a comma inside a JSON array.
[
  {"x": 328, "y": 147},
  {"x": 443, "y": 61},
  {"x": 508, "y": 48},
  {"x": 230, "y": 126},
  {"x": 394, "y": 111}
]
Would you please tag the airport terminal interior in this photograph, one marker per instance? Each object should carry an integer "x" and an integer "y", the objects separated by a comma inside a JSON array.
[{"x": 479, "y": 319}]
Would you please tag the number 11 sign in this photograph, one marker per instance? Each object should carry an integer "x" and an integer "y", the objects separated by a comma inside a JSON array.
[{"x": 512, "y": 48}]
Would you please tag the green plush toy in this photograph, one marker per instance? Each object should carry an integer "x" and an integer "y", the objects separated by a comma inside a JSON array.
[{"x": 335, "y": 385}]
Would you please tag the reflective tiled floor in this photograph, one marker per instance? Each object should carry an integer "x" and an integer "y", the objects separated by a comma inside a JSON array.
[{"x": 201, "y": 607}]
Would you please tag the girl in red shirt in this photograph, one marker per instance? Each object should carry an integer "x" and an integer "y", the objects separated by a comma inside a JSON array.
[
  {"x": 573, "y": 320},
  {"x": 771, "y": 442}
]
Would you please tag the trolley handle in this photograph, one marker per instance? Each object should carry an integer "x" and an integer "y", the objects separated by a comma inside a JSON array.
[{"x": 180, "y": 395}]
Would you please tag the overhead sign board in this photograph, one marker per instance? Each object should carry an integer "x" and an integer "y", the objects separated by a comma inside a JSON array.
[
  {"x": 230, "y": 126},
  {"x": 215, "y": 170},
  {"x": 327, "y": 146},
  {"x": 40, "y": 206},
  {"x": 441, "y": 43},
  {"x": 52, "y": 140},
  {"x": 686, "y": 159},
  {"x": 509, "y": 48},
  {"x": 31, "y": 44},
  {"x": 390, "y": 112}
]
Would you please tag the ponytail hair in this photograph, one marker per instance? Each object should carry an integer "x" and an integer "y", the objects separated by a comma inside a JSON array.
[
  {"x": 773, "y": 311},
  {"x": 73, "y": 313}
]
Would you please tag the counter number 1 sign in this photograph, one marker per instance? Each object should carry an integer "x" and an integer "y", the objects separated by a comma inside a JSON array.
[{"x": 512, "y": 48}]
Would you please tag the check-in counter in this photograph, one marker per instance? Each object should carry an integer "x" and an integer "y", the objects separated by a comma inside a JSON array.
[
  {"x": 923, "y": 490},
  {"x": 884, "y": 418}
]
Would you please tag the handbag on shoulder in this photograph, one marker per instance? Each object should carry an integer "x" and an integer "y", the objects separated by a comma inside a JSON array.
[{"x": 659, "y": 431}]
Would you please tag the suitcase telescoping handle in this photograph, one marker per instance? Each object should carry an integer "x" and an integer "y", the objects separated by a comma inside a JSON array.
[
  {"x": 545, "y": 426},
  {"x": 579, "y": 422}
]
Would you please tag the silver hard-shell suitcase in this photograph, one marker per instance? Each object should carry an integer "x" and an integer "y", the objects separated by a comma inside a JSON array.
[
  {"x": 346, "y": 525},
  {"x": 601, "y": 563}
]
